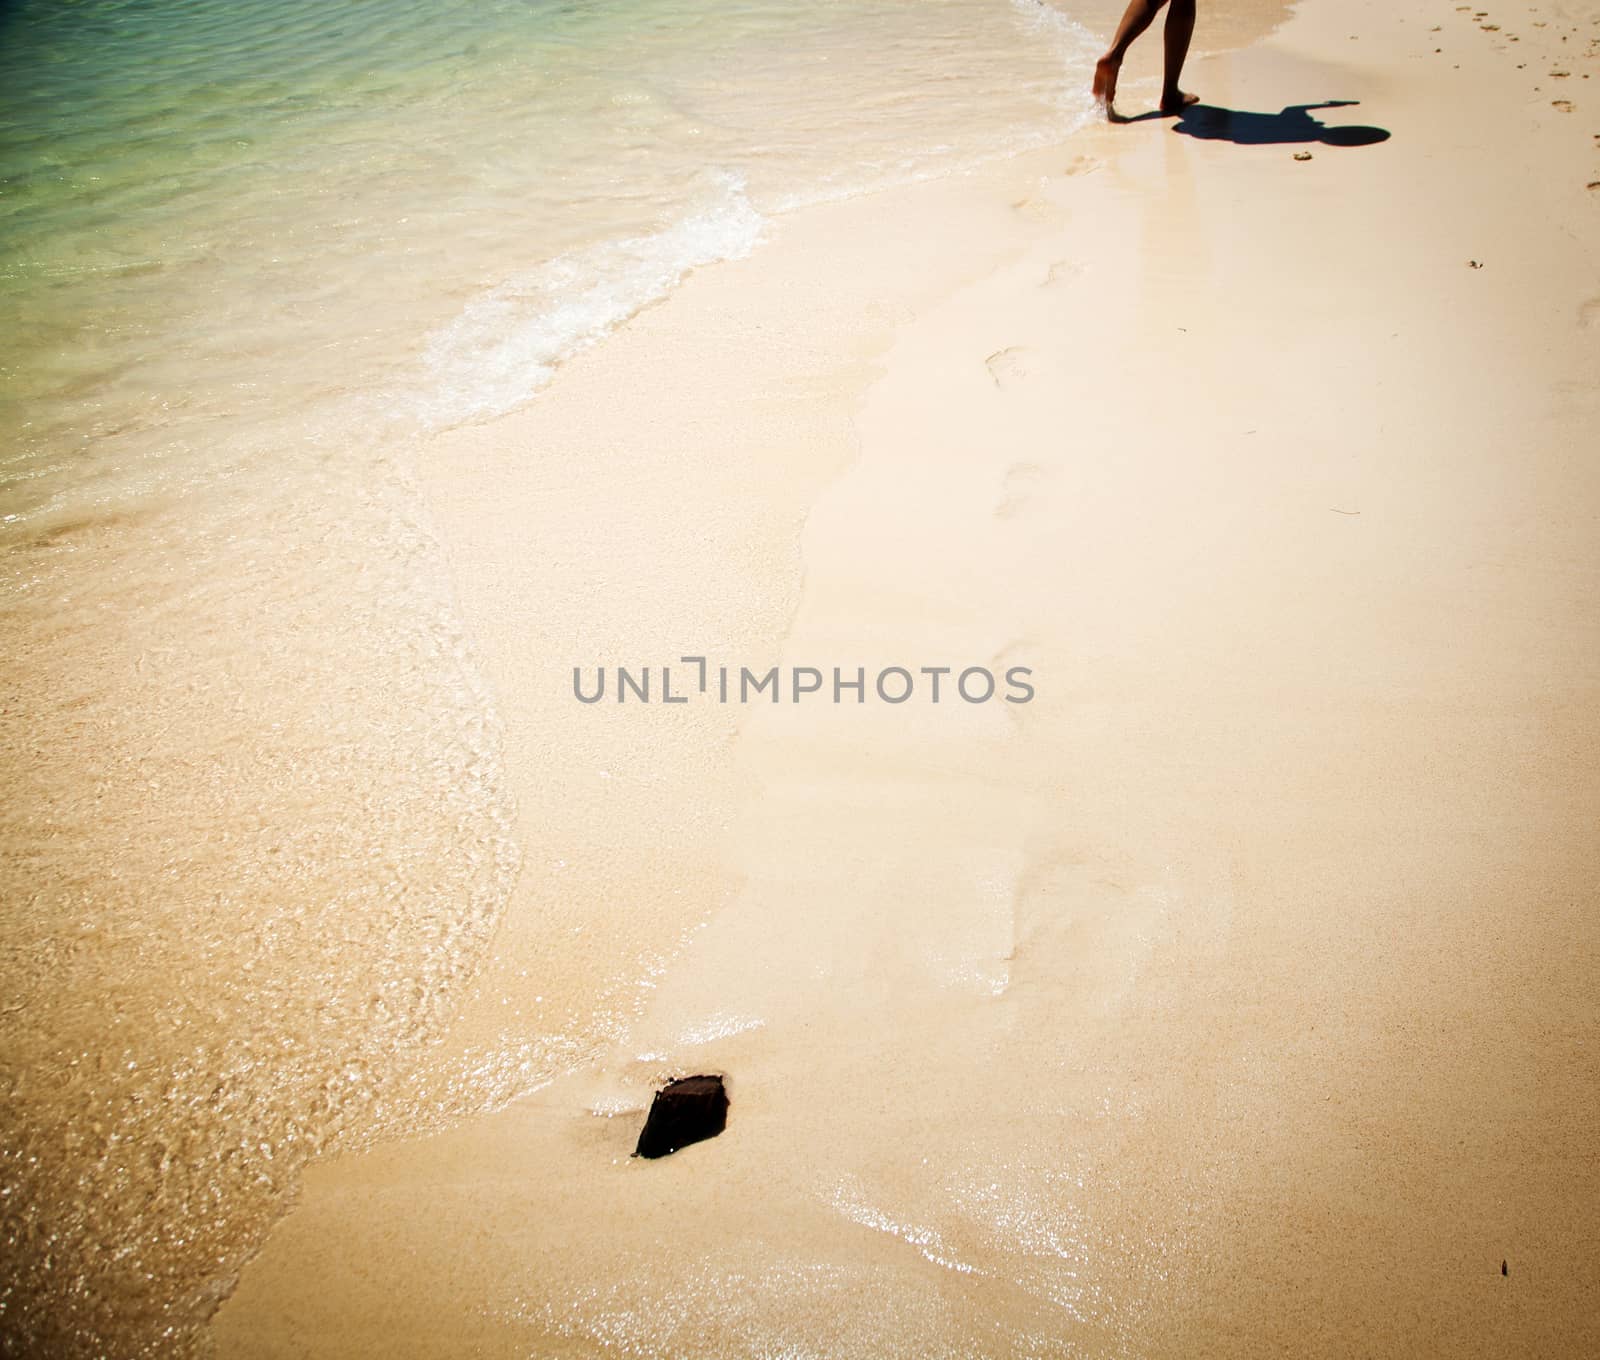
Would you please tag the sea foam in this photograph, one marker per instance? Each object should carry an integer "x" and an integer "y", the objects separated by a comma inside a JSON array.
[{"x": 507, "y": 343}]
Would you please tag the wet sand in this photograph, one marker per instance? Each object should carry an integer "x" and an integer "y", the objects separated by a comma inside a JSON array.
[{"x": 1235, "y": 995}]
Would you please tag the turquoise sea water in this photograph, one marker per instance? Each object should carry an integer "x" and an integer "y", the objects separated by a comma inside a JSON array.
[
  {"x": 212, "y": 199},
  {"x": 250, "y": 256}
]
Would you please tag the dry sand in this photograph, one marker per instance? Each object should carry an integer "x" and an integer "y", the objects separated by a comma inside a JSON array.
[{"x": 1237, "y": 995}]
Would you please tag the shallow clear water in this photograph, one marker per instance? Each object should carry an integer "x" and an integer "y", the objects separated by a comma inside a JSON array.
[
  {"x": 255, "y": 837},
  {"x": 234, "y": 206}
]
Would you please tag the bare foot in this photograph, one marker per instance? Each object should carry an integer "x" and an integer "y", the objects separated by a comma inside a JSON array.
[
  {"x": 1177, "y": 101},
  {"x": 1105, "y": 81}
]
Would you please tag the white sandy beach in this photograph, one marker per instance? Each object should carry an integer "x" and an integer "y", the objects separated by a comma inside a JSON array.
[{"x": 1236, "y": 996}]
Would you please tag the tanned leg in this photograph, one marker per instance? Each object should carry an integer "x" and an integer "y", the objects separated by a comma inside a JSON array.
[
  {"x": 1140, "y": 15},
  {"x": 1180, "y": 28}
]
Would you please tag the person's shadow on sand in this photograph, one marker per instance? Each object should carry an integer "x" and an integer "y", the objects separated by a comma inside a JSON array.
[{"x": 1293, "y": 126}]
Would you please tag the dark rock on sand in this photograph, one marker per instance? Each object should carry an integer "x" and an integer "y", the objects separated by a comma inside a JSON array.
[{"x": 685, "y": 1111}]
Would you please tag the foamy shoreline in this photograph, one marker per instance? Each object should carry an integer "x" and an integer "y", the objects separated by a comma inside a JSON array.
[{"x": 1235, "y": 996}]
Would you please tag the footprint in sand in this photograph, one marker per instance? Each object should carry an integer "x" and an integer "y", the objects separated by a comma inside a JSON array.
[
  {"x": 1021, "y": 481},
  {"x": 1083, "y": 932},
  {"x": 1009, "y": 367},
  {"x": 1036, "y": 210},
  {"x": 1063, "y": 270},
  {"x": 1565, "y": 105},
  {"x": 1083, "y": 165},
  {"x": 1022, "y": 651},
  {"x": 1017, "y": 663},
  {"x": 1589, "y": 312}
]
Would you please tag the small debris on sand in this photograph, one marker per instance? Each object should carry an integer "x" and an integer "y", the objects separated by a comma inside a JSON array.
[{"x": 685, "y": 1111}]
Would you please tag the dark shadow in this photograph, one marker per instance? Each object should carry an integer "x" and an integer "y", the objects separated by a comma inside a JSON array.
[{"x": 1293, "y": 126}]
